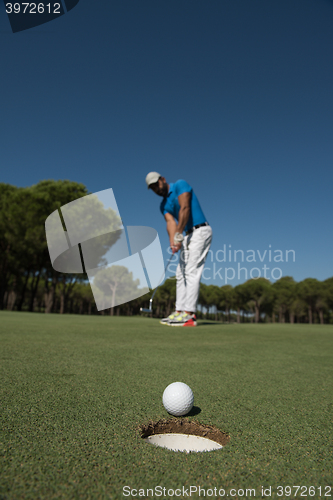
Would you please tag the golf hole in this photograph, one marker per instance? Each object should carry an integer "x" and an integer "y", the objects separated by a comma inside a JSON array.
[{"x": 184, "y": 435}]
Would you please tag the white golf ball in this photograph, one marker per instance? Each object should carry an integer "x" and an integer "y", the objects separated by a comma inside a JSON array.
[{"x": 178, "y": 399}]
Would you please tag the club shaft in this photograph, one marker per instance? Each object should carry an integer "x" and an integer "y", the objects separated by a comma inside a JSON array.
[
  {"x": 166, "y": 267},
  {"x": 150, "y": 310}
]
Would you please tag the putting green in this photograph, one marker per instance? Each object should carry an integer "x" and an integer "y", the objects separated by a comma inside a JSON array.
[{"x": 76, "y": 389}]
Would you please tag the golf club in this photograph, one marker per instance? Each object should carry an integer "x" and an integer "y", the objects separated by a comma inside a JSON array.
[{"x": 150, "y": 310}]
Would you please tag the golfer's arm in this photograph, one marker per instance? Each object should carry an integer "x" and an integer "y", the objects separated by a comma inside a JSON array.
[
  {"x": 184, "y": 212},
  {"x": 171, "y": 227}
]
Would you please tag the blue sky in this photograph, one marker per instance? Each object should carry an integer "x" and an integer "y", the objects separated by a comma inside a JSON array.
[{"x": 233, "y": 96}]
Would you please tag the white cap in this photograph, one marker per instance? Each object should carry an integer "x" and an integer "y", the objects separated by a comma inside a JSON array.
[{"x": 152, "y": 177}]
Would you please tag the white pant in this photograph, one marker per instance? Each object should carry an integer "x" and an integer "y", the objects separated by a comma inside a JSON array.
[{"x": 192, "y": 258}]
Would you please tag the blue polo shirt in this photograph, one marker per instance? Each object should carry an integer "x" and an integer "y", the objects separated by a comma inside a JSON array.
[{"x": 170, "y": 204}]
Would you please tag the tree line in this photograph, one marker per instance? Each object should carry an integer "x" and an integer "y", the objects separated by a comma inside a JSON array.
[{"x": 28, "y": 281}]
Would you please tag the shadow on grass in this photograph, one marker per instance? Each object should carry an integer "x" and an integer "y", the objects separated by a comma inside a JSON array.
[
  {"x": 200, "y": 322},
  {"x": 195, "y": 411}
]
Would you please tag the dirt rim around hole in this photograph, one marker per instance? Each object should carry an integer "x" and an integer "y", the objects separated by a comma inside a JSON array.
[{"x": 184, "y": 426}]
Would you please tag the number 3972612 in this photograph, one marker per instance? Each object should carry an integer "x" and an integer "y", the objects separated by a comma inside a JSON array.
[{"x": 33, "y": 8}]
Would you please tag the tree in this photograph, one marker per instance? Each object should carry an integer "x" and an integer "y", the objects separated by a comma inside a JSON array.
[
  {"x": 226, "y": 299},
  {"x": 258, "y": 290},
  {"x": 24, "y": 251},
  {"x": 321, "y": 305},
  {"x": 23, "y": 247},
  {"x": 12, "y": 247},
  {"x": 285, "y": 292},
  {"x": 329, "y": 295},
  {"x": 66, "y": 286},
  {"x": 203, "y": 299},
  {"x": 239, "y": 299},
  {"x": 309, "y": 291},
  {"x": 297, "y": 308},
  {"x": 212, "y": 297},
  {"x": 167, "y": 295},
  {"x": 116, "y": 283}
]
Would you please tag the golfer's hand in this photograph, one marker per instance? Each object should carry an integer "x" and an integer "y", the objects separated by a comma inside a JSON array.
[{"x": 176, "y": 247}]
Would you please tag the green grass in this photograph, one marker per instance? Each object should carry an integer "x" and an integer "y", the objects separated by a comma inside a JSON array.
[{"x": 74, "y": 390}]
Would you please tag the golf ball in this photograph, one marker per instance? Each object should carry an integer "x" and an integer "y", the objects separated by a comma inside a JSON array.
[{"x": 178, "y": 399}]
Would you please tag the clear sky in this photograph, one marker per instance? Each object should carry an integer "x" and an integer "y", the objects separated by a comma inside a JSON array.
[{"x": 234, "y": 96}]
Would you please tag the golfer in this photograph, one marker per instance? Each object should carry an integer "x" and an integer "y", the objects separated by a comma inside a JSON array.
[{"x": 182, "y": 212}]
